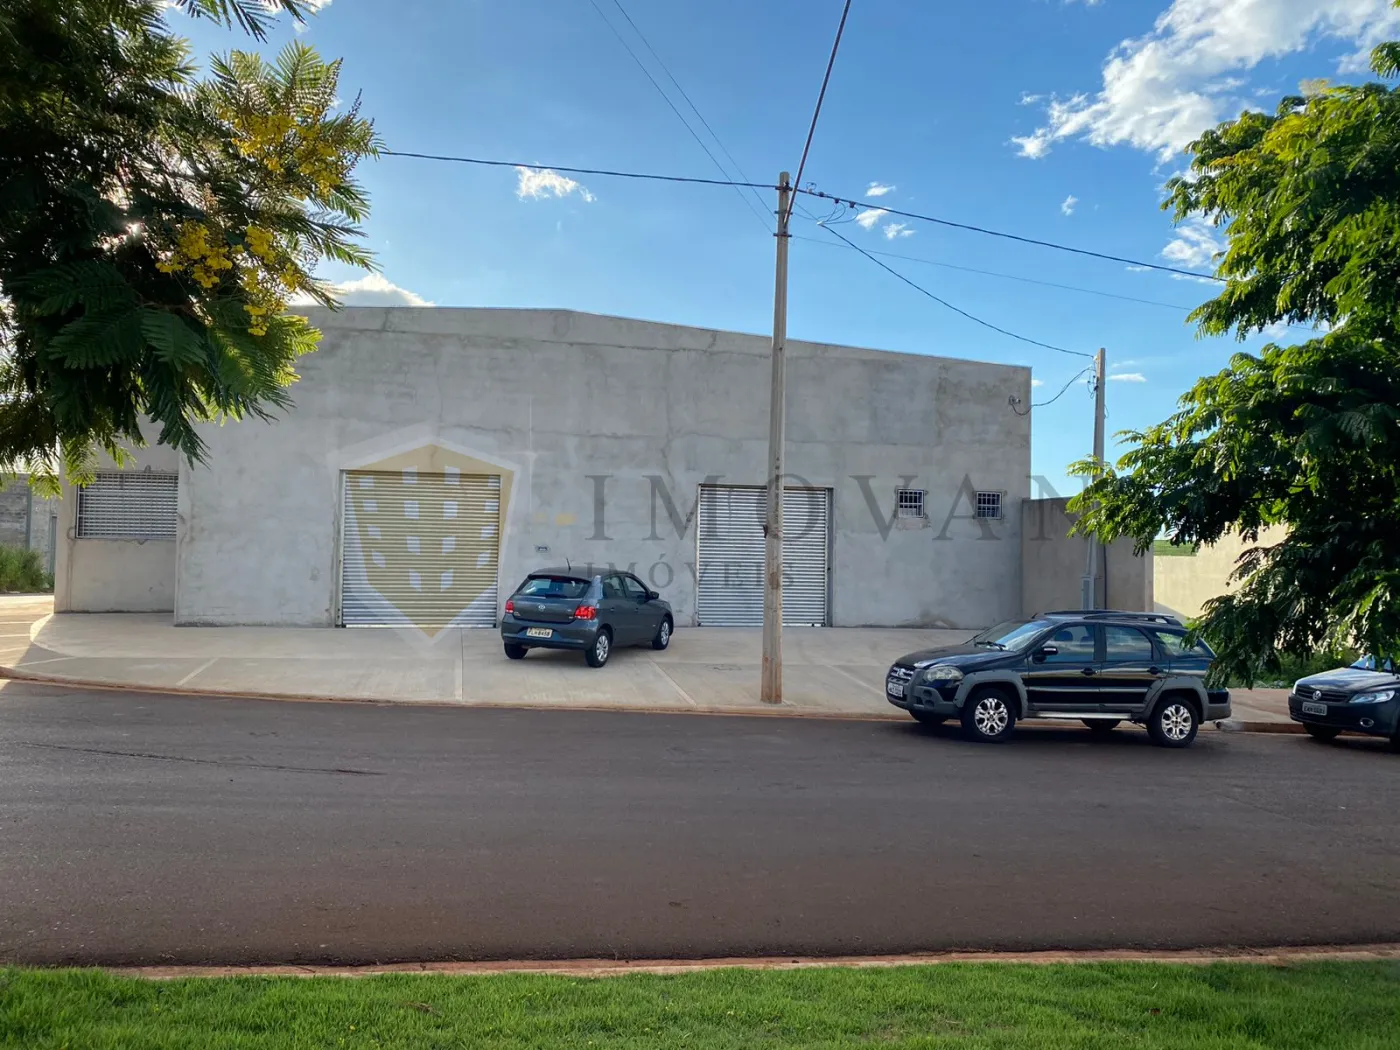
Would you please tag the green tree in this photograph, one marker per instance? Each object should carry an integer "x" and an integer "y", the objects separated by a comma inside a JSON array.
[
  {"x": 1306, "y": 436},
  {"x": 154, "y": 225}
]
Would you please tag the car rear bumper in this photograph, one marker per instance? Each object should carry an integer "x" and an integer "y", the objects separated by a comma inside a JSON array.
[
  {"x": 577, "y": 634},
  {"x": 1383, "y": 719}
]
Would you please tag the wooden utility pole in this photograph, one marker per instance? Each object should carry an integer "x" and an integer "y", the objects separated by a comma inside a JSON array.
[
  {"x": 1090, "y": 598},
  {"x": 771, "y": 688}
]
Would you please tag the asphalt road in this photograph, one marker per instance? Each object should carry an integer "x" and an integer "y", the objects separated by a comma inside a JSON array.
[{"x": 148, "y": 829}]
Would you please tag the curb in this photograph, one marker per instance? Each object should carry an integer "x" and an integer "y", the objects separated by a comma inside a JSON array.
[
  {"x": 600, "y": 968},
  {"x": 780, "y": 711},
  {"x": 1234, "y": 725},
  {"x": 775, "y": 711}
]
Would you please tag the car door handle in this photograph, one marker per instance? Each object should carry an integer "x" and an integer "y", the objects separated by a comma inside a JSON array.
[
  {"x": 1154, "y": 670},
  {"x": 1088, "y": 672}
]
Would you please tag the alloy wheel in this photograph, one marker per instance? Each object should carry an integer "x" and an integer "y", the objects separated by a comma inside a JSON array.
[
  {"x": 1177, "y": 722},
  {"x": 991, "y": 716}
]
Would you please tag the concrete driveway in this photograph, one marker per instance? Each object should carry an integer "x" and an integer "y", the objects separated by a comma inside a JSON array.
[{"x": 827, "y": 671}]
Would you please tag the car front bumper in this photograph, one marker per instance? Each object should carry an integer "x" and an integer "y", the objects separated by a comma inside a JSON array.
[
  {"x": 936, "y": 697},
  {"x": 577, "y": 634},
  {"x": 1383, "y": 719}
]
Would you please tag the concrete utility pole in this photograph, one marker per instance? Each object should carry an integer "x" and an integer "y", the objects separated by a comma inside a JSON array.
[
  {"x": 1091, "y": 572},
  {"x": 771, "y": 688}
]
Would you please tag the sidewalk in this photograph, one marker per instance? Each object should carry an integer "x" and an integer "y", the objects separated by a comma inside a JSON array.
[{"x": 832, "y": 672}]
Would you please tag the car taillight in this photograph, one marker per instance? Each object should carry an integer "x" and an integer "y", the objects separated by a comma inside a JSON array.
[
  {"x": 586, "y": 612},
  {"x": 510, "y": 605}
]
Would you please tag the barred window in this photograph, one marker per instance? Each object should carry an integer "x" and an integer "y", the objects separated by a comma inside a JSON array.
[
  {"x": 128, "y": 505},
  {"x": 989, "y": 504},
  {"x": 910, "y": 503}
]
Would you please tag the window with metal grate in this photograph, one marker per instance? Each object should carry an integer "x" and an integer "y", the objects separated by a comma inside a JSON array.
[
  {"x": 910, "y": 503},
  {"x": 128, "y": 505},
  {"x": 989, "y": 504}
]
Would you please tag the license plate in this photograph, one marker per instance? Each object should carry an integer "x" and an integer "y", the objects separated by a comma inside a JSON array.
[
  {"x": 1314, "y": 709},
  {"x": 538, "y": 632},
  {"x": 894, "y": 688}
]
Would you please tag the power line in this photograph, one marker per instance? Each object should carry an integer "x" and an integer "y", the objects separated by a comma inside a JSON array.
[
  {"x": 1006, "y": 276},
  {"x": 667, "y": 98},
  {"x": 950, "y": 306},
  {"x": 830, "y": 62},
  {"x": 696, "y": 109},
  {"x": 580, "y": 171},
  {"x": 1009, "y": 236},
  {"x": 1042, "y": 404}
]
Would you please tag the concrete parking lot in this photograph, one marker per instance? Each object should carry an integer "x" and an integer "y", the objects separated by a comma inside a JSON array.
[{"x": 827, "y": 671}]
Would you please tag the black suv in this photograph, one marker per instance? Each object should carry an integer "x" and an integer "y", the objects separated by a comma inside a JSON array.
[
  {"x": 1096, "y": 666},
  {"x": 1362, "y": 698}
]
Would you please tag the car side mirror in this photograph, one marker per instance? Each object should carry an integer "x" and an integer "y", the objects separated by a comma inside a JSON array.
[
  {"x": 652, "y": 596},
  {"x": 1046, "y": 650}
]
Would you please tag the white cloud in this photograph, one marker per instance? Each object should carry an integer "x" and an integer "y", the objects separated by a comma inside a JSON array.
[
  {"x": 897, "y": 229},
  {"x": 1028, "y": 99},
  {"x": 877, "y": 189},
  {"x": 870, "y": 217},
  {"x": 1037, "y": 382},
  {"x": 1128, "y": 377},
  {"x": 1162, "y": 89},
  {"x": 1195, "y": 245},
  {"x": 312, "y": 6},
  {"x": 545, "y": 182},
  {"x": 373, "y": 289},
  {"x": 1067, "y": 206}
]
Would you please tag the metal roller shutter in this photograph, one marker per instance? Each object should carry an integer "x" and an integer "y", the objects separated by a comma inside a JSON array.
[
  {"x": 420, "y": 549},
  {"x": 730, "y": 592},
  {"x": 128, "y": 505}
]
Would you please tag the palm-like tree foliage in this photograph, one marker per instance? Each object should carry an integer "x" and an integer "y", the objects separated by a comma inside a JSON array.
[{"x": 154, "y": 226}]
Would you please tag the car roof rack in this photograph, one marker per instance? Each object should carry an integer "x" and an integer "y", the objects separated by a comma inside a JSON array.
[{"x": 1116, "y": 614}]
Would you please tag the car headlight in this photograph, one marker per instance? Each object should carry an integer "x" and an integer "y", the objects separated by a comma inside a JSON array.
[
  {"x": 1374, "y": 698},
  {"x": 942, "y": 673}
]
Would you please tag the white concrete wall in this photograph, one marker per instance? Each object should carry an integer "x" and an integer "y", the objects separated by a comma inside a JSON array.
[
  {"x": 1054, "y": 562},
  {"x": 555, "y": 397},
  {"x": 114, "y": 575},
  {"x": 1185, "y": 582}
]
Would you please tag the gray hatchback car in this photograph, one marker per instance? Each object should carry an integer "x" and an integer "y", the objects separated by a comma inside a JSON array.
[{"x": 588, "y": 612}]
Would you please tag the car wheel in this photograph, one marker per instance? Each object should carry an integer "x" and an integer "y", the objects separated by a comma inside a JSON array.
[
  {"x": 663, "y": 634},
  {"x": 1323, "y": 733},
  {"x": 601, "y": 649},
  {"x": 515, "y": 652},
  {"x": 928, "y": 718},
  {"x": 1173, "y": 723},
  {"x": 1101, "y": 726},
  {"x": 988, "y": 716}
]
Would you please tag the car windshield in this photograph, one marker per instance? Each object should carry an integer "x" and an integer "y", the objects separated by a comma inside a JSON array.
[
  {"x": 553, "y": 587},
  {"x": 1013, "y": 634},
  {"x": 1368, "y": 663}
]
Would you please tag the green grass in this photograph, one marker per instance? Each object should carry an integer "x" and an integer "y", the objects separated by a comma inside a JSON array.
[
  {"x": 1312, "y": 1006},
  {"x": 1167, "y": 549},
  {"x": 22, "y": 570}
]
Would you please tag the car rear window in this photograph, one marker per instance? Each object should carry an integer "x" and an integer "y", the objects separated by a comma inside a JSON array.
[
  {"x": 553, "y": 587},
  {"x": 1175, "y": 645}
]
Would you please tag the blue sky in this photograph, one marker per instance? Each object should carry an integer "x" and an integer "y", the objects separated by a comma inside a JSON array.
[{"x": 1054, "y": 119}]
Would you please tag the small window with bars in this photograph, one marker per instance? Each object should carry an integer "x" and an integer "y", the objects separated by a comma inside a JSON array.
[
  {"x": 909, "y": 503},
  {"x": 989, "y": 505},
  {"x": 128, "y": 505}
]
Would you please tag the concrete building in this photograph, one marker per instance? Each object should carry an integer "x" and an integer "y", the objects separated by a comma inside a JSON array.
[
  {"x": 27, "y": 519},
  {"x": 435, "y": 456}
]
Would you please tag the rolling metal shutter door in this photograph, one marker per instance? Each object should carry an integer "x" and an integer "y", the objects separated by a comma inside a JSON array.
[
  {"x": 128, "y": 505},
  {"x": 730, "y": 592},
  {"x": 420, "y": 549}
]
